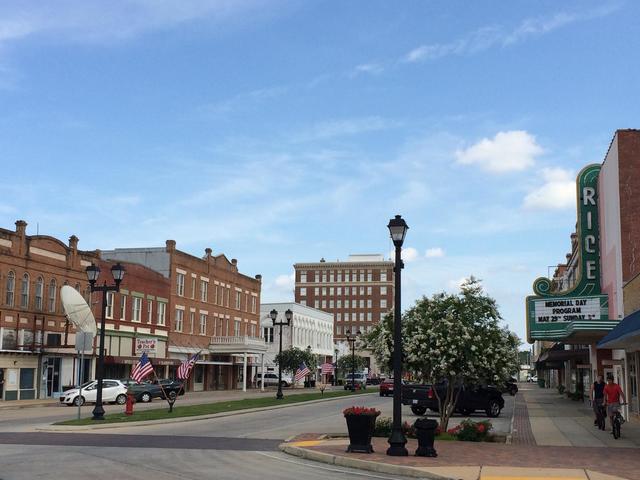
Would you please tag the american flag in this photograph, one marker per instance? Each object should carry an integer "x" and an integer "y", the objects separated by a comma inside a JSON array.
[
  {"x": 185, "y": 367},
  {"x": 142, "y": 368},
  {"x": 327, "y": 368},
  {"x": 302, "y": 372}
]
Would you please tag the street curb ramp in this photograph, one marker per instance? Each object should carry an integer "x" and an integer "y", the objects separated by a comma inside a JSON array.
[{"x": 359, "y": 464}]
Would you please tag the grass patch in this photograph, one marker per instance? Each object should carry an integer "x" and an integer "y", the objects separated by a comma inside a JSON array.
[{"x": 205, "y": 409}]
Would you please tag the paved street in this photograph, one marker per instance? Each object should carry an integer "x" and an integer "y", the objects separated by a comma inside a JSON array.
[{"x": 238, "y": 446}]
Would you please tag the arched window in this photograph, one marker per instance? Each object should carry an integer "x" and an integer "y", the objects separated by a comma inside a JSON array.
[
  {"x": 52, "y": 295},
  {"x": 24, "y": 291},
  {"x": 11, "y": 287},
  {"x": 39, "y": 293},
  {"x": 77, "y": 287}
]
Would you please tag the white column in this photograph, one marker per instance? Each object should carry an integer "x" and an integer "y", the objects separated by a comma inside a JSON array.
[
  {"x": 244, "y": 372},
  {"x": 262, "y": 370}
]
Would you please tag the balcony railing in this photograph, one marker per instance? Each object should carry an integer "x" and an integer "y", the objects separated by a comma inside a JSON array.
[{"x": 242, "y": 341}]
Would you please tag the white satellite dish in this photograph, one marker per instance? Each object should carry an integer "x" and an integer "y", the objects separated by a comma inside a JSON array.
[{"x": 77, "y": 310}]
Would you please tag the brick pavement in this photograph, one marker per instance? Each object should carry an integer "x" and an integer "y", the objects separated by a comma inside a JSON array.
[
  {"x": 521, "y": 433},
  {"x": 622, "y": 462}
]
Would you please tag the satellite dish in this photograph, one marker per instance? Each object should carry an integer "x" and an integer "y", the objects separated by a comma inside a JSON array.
[{"x": 77, "y": 310}]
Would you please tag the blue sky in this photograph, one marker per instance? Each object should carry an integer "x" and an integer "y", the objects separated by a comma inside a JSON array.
[{"x": 285, "y": 131}]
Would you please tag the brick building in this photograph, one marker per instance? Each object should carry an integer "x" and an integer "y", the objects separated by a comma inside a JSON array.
[
  {"x": 357, "y": 292},
  {"x": 37, "y": 355},
  {"x": 213, "y": 310},
  {"x": 136, "y": 319}
]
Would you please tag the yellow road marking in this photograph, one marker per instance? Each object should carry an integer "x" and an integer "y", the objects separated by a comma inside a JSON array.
[
  {"x": 306, "y": 443},
  {"x": 511, "y": 477}
]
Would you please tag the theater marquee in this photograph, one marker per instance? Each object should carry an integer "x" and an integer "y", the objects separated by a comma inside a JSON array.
[{"x": 555, "y": 315}]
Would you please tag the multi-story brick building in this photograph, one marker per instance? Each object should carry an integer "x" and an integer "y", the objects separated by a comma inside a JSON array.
[
  {"x": 135, "y": 320},
  {"x": 213, "y": 310},
  {"x": 358, "y": 292},
  {"x": 37, "y": 355}
]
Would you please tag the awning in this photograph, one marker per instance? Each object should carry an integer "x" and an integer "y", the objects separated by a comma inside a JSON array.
[
  {"x": 556, "y": 356},
  {"x": 625, "y": 335}
]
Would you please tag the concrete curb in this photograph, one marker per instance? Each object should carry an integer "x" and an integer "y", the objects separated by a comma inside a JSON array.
[
  {"x": 356, "y": 463},
  {"x": 194, "y": 418}
]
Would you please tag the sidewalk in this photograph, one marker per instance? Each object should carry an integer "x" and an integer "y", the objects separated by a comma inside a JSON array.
[
  {"x": 479, "y": 461},
  {"x": 552, "y": 438},
  {"x": 546, "y": 418}
]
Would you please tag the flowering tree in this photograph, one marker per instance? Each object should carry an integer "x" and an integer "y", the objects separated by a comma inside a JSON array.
[
  {"x": 454, "y": 339},
  {"x": 293, "y": 357}
]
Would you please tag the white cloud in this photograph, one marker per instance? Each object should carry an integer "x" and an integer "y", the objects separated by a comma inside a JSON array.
[
  {"x": 349, "y": 126},
  {"x": 514, "y": 150},
  {"x": 435, "y": 252},
  {"x": 497, "y": 36},
  {"x": 286, "y": 281},
  {"x": 368, "y": 68},
  {"x": 79, "y": 20},
  {"x": 409, "y": 254},
  {"x": 557, "y": 192},
  {"x": 456, "y": 283}
]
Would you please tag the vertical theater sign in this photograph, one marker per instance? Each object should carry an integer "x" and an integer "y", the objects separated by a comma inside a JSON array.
[{"x": 581, "y": 313}]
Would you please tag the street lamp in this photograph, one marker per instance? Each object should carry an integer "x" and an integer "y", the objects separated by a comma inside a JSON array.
[
  {"x": 397, "y": 441},
  {"x": 335, "y": 371},
  {"x": 352, "y": 341},
  {"x": 93, "y": 272},
  {"x": 274, "y": 315}
]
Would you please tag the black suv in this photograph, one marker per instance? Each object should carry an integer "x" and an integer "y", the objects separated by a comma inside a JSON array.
[{"x": 470, "y": 399}]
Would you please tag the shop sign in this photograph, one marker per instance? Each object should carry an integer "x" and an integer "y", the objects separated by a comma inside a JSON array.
[
  {"x": 557, "y": 315},
  {"x": 146, "y": 345}
]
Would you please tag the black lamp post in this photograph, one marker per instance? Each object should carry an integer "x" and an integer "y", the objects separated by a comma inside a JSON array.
[
  {"x": 93, "y": 272},
  {"x": 335, "y": 371},
  {"x": 352, "y": 342},
  {"x": 397, "y": 441},
  {"x": 274, "y": 315}
]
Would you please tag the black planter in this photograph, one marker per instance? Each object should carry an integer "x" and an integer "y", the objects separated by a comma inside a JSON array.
[
  {"x": 360, "y": 432},
  {"x": 426, "y": 433}
]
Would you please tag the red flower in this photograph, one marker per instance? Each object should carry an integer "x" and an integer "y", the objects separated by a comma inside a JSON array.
[
  {"x": 361, "y": 411},
  {"x": 481, "y": 428}
]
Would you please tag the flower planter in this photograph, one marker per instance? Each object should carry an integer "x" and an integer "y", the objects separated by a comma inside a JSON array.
[
  {"x": 360, "y": 432},
  {"x": 426, "y": 433}
]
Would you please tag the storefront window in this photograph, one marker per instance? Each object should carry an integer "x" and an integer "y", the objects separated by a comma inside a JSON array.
[{"x": 9, "y": 340}]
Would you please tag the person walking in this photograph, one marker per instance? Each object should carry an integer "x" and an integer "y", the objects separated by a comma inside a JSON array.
[
  {"x": 612, "y": 395},
  {"x": 597, "y": 398}
]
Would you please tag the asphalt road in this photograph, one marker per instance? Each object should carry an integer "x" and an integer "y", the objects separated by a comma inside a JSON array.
[{"x": 234, "y": 447}]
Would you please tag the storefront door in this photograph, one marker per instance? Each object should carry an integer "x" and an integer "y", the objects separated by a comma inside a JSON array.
[
  {"x": 632, "y": 363},
  {"x": 198, "y": 378},
  {"x": 53, "y": 376}
]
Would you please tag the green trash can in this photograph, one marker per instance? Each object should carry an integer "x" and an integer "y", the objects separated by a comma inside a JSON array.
[{"x": 541, "y": 382}]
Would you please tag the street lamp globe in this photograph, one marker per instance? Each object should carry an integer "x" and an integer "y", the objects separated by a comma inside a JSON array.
[
  {"x": 93, "y": 272},
  {"x": 398, "y": 229},
  {"x": 118, "y": 272},
  {"x": 273, "y": 314},
  {"x": 288, "y": 315}
]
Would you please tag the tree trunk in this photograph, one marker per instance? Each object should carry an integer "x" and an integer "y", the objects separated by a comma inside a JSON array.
[{"x": 447, "y": 406}]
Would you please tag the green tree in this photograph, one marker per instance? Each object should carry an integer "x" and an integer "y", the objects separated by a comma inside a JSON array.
[
  {"x": 452, "y": 338},
  {"x": 346, "y": 363},
  {"x": 292, "y": 357}
]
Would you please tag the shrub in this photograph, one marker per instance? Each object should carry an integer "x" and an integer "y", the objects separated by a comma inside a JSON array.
[
  {"x": 470, "y": 431},
  {"x": 384, "y": 426}
]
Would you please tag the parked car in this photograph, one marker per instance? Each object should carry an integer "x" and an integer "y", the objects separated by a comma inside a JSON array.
[
  {"x": 510, "y": 386},
  {"x": 271, "y": 379},
  {"x": 374, "y": 380},
  {"x": 470, "y": 398},
  {"x": 147, "y": 391},
  {"x": 112, "y": 391},
  {"x": 532, "y": 378},
  {"x": 359, "y": 380},
  {"x": 386, "y": 387}
]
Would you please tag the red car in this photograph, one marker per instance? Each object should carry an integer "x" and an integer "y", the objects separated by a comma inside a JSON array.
[{"x": 386, "y": 387}]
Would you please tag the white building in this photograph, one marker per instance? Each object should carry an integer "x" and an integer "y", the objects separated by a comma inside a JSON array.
[{"x": 309, "y": 327}]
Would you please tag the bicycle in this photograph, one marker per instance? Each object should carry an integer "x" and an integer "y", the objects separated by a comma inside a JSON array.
[{"x": 618, "y": 420}]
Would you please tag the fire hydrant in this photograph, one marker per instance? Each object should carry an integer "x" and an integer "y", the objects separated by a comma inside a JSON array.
[{"x": 129, "y": 405}]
